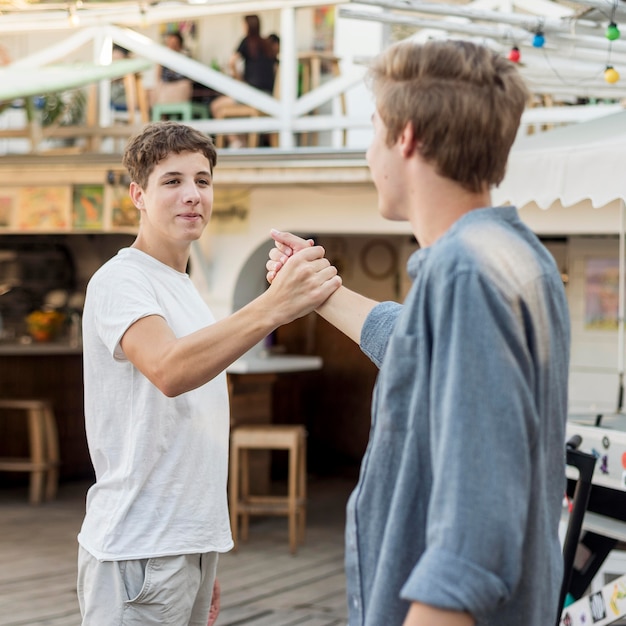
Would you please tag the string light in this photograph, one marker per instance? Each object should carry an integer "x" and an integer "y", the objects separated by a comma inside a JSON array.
[
  {"x": 72, "y": 16},
  {"x": 143, "y": 15},
  {"x": 539, "y": 40},
  {"x": 611, "y": 75},
  {"x": 514, "y": 54},
  {"x": 612, "y": 32}
]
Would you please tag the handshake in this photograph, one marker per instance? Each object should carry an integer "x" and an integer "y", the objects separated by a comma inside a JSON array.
[{"x": 303, "y": 284}]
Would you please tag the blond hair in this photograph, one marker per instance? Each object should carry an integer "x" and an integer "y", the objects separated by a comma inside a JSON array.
[{"x": 463, "y": 100}]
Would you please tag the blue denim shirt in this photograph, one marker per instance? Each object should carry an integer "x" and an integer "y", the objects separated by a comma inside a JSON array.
[{"x": 460, "y": 492}]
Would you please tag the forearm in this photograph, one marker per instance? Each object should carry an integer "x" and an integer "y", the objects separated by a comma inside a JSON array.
[
  {"x": 179, "y": 364},
  {"x": 424, "y": 615},
  {"x": 347, "y": 311},
  {"x": 203, "y": 355},
  {"x": 176, "y": 365}
]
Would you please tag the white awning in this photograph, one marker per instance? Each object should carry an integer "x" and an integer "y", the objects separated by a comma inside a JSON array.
[{"x": 570, "y": 164}]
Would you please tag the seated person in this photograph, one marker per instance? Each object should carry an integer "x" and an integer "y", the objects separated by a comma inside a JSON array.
[
  {"x": 172, "y": 86},
  {"x": 118, "y": 90}
]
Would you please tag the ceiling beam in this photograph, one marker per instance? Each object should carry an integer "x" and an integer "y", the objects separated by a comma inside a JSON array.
[
  {"x": 45, "y": 17},
  {"x": 531, "y": 23}
]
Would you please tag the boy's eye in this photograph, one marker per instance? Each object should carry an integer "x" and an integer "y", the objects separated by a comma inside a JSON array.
[
  {"x": 204, "y": 181},
  {"x": 171, "y": 181}
]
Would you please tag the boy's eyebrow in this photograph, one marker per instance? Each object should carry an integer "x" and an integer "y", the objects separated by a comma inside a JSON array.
[{"x": 200, "y": 173}]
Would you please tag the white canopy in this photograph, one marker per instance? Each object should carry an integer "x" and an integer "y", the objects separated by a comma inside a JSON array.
[{"x": 570, "y": 164}]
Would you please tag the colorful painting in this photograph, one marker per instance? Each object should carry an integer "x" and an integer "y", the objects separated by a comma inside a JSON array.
[
  {"x": 324, "y": 28},
  {"x": 88, "y": 207},
  {"x": 124, "y": 214},
  {"x": 44, "y": 208},
  {"x": 601, "y": 294}
]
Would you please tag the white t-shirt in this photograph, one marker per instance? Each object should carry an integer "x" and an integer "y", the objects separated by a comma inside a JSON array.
[{"x": 161, "y": 463}]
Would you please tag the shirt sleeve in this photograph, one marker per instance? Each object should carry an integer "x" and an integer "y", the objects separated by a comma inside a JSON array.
[
  {"x": 483, "y": 424},
  {"x": 377, "y": 329},
  {"x": 119, "y": 300}
]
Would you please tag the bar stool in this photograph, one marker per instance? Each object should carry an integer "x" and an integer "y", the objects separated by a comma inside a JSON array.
[
  {"x": 43, "y": 462},
  {"x": 243, "y": 503}
]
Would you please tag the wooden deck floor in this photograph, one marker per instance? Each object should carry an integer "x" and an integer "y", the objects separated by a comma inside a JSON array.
[{"x": 262, "y": 583}]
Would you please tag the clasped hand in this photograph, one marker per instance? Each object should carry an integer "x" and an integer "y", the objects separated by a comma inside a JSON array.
[{"x": 311, "y": 279}]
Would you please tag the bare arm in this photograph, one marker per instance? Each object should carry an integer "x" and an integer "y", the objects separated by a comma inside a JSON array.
[
  {"x": 233, "y": 65},
  {"x": 178, "y": 364},
  {"x": 345, "y": 309},
  {"x": 424, "y": 615}
]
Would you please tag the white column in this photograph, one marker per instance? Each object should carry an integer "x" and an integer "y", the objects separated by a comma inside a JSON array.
[{"x": 288, "y": 74}]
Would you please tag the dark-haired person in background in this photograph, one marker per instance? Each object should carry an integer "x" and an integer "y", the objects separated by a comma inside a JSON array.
[{"x": 258, "y": 57}]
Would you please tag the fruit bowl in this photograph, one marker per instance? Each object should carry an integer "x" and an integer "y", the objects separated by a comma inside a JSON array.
[{"x": 44, "y": 325}]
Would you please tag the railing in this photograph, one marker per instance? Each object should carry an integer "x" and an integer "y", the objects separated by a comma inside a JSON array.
[{"x": 288, "y": 115}]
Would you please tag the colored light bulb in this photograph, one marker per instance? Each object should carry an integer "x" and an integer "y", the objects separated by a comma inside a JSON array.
[
  {"x": 612, "y": 32},
  {"x": 539, "y": 40},
  {"x": 611, "y": 75},
  {"x": 514, "y": 54}
]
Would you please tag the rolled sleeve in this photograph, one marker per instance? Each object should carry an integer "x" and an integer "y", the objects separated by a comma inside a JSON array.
[
  {"x": 449, "y": 582},
  {"x": 377, "y": 329}
]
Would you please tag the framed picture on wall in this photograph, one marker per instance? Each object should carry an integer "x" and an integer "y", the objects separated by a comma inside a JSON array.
[
  {"x": 122, "y": 213},
  {"x": 602, "y": 277},
  {"x": 44, "y": 208},
  {"x": 88, "y": 207}
]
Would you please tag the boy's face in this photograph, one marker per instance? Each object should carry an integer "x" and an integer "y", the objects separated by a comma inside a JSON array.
[
  {"x": 385, "y": 164},
  {"x": 177, "y": 201}
]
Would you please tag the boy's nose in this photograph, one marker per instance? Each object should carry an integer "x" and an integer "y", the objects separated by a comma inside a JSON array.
[{"x": 191, "y": 194}]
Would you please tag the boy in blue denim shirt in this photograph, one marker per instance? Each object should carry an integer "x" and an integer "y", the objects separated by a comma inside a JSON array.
[{"x": 454, "y": 520}]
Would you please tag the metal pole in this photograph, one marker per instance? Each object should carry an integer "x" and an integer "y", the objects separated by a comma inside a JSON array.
[{"x": 620, "y": 306}]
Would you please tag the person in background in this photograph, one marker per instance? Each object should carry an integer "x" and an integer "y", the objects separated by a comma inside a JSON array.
[
  {"x": 118, "y": 90},
  {"x": 172, "y": 86},
  {"x": 454, "y": 520},
  {"x": 254, "y": 62},
  {"x": 156, "y": 398}
]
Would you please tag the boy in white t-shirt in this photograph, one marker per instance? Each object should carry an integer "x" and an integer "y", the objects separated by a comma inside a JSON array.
[{"x": 156, "y": 400}]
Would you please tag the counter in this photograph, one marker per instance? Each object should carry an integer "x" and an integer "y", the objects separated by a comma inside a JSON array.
[
  {"x": 39, "y": 348},
  {"x": 261, "y": 363},
  {"x": 54, "y": 370},
  {"x": 252, "y": 383}
]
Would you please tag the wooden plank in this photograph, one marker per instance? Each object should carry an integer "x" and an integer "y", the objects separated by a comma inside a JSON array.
[{"x": 262, "y": 584}]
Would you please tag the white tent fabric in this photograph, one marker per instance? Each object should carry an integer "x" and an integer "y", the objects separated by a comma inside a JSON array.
[{"x": 571, "y": 164}]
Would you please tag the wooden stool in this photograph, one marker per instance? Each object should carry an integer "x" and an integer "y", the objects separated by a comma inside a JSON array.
[
  {"x": 185, "y": 111},
  {"x": 243, "y": 504},
  {"x": 43, "y": 463}
]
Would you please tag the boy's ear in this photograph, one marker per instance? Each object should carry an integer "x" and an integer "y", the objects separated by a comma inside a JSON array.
[
  {"x": 136, "y": 195},
  {"x": 408, "y": 141}
]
